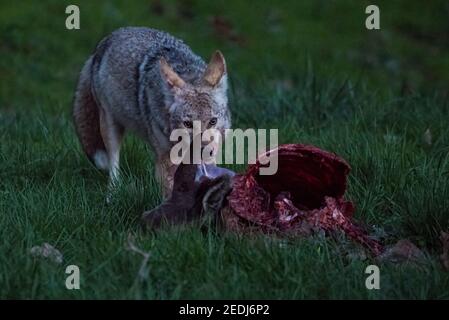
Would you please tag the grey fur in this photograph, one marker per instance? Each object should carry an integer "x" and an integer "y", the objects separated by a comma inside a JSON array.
[{"x": 130, "y": 92}]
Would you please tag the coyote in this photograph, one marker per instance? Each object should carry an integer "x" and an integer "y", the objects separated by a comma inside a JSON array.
[{"x": 150, "y": 83}]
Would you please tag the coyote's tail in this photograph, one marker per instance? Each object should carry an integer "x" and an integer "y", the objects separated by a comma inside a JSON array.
[{"x": 87, "y": 119}]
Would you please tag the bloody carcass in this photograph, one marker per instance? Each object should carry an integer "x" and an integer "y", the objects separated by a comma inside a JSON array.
[{"x": 306, "y": 195}]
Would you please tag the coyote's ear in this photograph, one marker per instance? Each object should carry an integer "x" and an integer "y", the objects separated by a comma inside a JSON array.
[
  {"x": 170, "y": 76},
  {"x": 216, "y": 70}
]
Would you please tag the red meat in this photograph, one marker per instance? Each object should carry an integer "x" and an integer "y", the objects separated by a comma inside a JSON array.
[{"x": 306, "y": 195}]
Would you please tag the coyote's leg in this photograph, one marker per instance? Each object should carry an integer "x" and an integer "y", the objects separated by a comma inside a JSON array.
[
  {"x": 165, "y": 173},
  {"x": 112, "y": 134}
]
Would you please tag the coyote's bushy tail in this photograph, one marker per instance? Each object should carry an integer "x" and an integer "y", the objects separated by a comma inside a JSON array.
[{"x": 87, "y": 119}]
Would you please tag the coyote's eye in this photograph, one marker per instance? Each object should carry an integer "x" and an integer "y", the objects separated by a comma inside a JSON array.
[
  {"x": 188, "y": 124},
  {"x": 213, "y": 122}
]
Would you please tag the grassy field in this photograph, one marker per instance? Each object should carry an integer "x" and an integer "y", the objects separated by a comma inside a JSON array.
[{"x": 308, "y": 68}]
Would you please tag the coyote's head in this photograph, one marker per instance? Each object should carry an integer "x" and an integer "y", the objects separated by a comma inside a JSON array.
[{"x": 205, "y": 102}]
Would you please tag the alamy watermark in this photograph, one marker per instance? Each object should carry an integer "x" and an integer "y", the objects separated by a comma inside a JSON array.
[
  {"x": 195, "y": 146},
  {"x": 72, "y": 21},
  {"x": 372, "y": 22},
  {"x": 72, "y": 282},
  {"x": 373, "y": 280}
]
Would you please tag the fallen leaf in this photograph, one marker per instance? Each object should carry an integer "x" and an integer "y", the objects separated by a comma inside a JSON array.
[
  {"x": 224, "y": 29},
  {"x": 47, "y": 251},
  {"x": 157, "y": 7},
  {"x": 391, "y": 138},
  {"x": 185, "y": 9},
  {"x": 403, "y": 251},
  {"x": 427, "y": 138}
]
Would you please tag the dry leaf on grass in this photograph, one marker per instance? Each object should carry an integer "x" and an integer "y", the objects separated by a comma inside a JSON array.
[
  {"x": 157, "y": 7},
  {"x": 47, "y": 251},
  {"x": 403, "y": 251},
  {"x": 427, "y": 138},
  {"x": 224, "y": 29}
]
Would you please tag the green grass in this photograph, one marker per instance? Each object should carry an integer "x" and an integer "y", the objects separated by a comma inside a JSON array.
[{"x": 308, "y": 68}]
